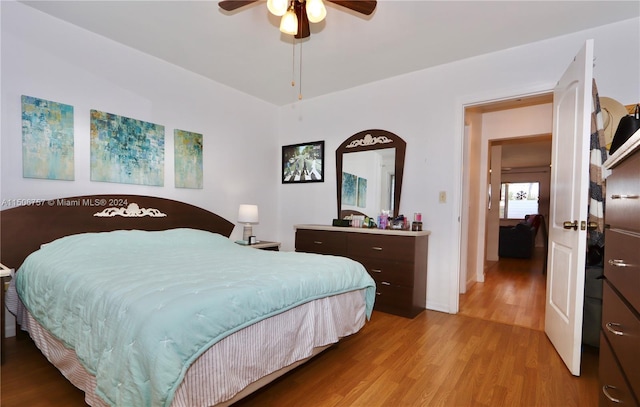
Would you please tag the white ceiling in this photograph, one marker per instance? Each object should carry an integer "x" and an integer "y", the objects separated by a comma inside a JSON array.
[{"x": 246, "y": 51}]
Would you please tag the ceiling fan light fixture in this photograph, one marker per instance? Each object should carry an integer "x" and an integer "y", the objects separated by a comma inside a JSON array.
[
  {"x": 277, "y": 7},
  {"x": 289, "y": 22},
  {"x": 316, "y": 11}
]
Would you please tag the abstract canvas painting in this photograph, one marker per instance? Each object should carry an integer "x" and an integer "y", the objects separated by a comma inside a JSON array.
[
  {"x": 187, "y": 159},
  {"x": 349, "y": 191},
  {"x": 362, "y": 192},
  {"x": 47, "y": 139},
  {"x": 125, "y": 150}
]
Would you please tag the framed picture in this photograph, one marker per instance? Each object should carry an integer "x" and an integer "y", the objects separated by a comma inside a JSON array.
[
  {"x": 126, "y": 150},
  {"x": 187, "y": 152},
  {"x": 303, "y": 163},
  {"x": 362, "y": 192},
  {"x": 349, "y": 189},
  {"x": 47, "y": 139}
]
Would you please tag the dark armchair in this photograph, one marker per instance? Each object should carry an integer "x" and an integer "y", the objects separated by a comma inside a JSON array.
[{"x": 519, "y": 241}]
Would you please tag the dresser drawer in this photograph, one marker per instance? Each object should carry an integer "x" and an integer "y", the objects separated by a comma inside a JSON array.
[
  {"x": 622, "y": 330},
  {"x": 322, "y": 242},
  {"x": 384, "y": 271},
  {"x": 614, "y": 390},
  {"x": 622, "y": 264},
  {"x": 393, "y": 299},
  {"x": 623, "y": 195},
  {"x": 374, "y": 246}
]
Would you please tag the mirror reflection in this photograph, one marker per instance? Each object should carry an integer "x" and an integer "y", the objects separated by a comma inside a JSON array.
[{"x": 368, "y": 181}]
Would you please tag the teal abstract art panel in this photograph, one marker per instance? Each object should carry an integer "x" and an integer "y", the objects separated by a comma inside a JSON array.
[
  {"x": 188, "y": 159},
  {"x": 349, "y": 188},
  {"x": 125, "y": 150},
  {"x": 362, "y": 192},
  {"x": 47, "y": 139}
]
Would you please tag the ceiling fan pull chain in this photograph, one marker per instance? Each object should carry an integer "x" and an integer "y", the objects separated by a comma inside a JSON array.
[
  {"x": 293, "y": 62},
  {"x": 300, "y": 72}
]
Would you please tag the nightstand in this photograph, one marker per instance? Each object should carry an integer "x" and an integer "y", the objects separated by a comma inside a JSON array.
[{"x": 264, "y": 245}]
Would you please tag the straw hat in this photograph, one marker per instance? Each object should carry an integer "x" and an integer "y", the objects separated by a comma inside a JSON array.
[{"x": 612, "y": 112}]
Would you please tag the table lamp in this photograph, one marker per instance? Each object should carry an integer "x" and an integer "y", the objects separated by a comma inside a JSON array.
[{"x": 247, "y": 214}]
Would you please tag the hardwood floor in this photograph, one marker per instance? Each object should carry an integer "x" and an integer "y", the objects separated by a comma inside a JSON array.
[
  {"x": 513, "y": 293},
  {"x": 493, "y": 353}
]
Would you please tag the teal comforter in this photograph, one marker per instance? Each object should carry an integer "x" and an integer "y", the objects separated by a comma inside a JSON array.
[{"x": 139, "y": 307}]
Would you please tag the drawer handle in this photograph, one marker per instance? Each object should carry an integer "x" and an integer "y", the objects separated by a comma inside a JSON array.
[
  {"x": 610, "y": 327},
  {"x": 376, "y": 248},
  {"x": 618, "y": 263},
  {"x": 376, "y": 271},
  {"x": 378, "y": 293},
  {"x": 624, "y": 196},
  {"x": 605, "y": 391},
  {"x": 385, "y": 283},
  {"x": 317, "y": 242}
]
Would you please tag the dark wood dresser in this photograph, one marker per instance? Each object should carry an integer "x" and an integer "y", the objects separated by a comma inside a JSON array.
[
  {"x": 396, "y": 259},
  {"x": 620, "y": 334},
  {"x": 4, "y": 274}
]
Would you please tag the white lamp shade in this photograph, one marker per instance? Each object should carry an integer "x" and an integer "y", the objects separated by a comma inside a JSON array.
[
  {"x": 278, "y": 7},
  {"x": 248, "y": 214},
  {"x": 289, "y": 23},
  {"x": 316, "y": 11}
]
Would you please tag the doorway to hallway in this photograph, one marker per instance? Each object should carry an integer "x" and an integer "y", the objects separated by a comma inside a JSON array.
[{"x": 505, "y": 141}]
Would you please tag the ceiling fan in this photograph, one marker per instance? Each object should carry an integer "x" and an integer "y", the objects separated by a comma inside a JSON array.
[{"x": 296, "y": 14}]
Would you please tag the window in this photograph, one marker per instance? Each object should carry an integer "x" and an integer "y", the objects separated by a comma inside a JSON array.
[{"x": 518, "y": 199}]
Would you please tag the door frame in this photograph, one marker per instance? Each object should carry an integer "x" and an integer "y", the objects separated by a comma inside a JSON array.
[{"x": 461, "y": 177}]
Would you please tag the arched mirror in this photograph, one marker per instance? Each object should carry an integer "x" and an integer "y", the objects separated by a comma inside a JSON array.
[{"x": 369, "y": 168}]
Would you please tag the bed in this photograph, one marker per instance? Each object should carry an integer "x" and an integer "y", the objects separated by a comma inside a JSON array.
[{"x": 145, "y": 301}]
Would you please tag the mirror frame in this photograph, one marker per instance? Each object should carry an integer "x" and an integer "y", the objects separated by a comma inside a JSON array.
[{"x": 373, "y": 140}]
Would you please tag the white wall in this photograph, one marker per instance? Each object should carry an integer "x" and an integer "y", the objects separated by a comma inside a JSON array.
[
  {"x": 425, "y": 108},
  {"x": 51, "y": 59},
  {"x": 473, "y": 204}
]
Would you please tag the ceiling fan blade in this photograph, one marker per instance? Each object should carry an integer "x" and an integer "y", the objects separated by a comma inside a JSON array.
[
  {"x": 361, "y": 6},
  {"x": 230, "y": 5},
  {"x": 303, "y": 20}
]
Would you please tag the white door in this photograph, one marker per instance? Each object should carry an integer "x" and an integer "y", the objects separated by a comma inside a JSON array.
[{"x": 568, "y": 208}]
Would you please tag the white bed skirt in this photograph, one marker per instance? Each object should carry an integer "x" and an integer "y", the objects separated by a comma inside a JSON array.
[{"x": 268, "y": 349}]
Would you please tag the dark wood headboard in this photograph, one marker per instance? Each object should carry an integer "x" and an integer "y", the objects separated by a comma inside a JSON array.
[{"x": 23, "y": 229}]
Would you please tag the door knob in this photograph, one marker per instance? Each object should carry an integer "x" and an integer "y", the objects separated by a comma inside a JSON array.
[
  {"x": 592, "y": 225},
  {"x": 570, "y": 225}
]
